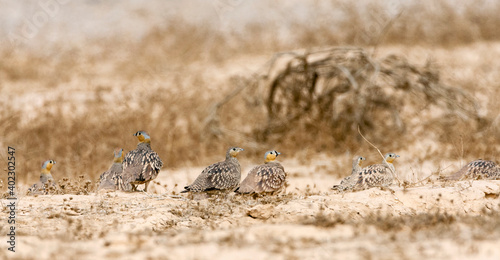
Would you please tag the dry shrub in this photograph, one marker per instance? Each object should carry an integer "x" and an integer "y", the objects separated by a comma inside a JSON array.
[{"x": 317, "y": 97}]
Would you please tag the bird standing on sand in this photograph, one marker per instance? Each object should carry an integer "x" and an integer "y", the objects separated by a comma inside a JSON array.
[
  {"x": 377, "y": 175},
  {"x": 478, "y": 169},
  {"x": 112, "y": 178},
  {"x": 142, "y": 164},
  {"x": 46, "y": 184},
  {"x": 268, "y": 177},
  {"x": 349, "y": 181},
  {"x": 223, "y": 175}
]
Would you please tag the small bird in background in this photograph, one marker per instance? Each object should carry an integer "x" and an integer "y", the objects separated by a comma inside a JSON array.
[
  {"x": 268, "y": 177},
  {"x": 478, "y": 169},
  {"x": 142, "y": 164},
  {"x": 377, "y": 175},
  {"x": 46, "y": 184},
  {"x": 112, "y": 178},
  {"x": 223, "y": 175},
  {"x": 349, "y": 181}
]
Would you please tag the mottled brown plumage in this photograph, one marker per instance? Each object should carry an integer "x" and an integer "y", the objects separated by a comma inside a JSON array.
[
  {"x": 225, "y": 175},
  {"x": 46, "y": 184},
  {"x": 348, "y": 182},
  {"x": 377, "y": 175},
  {"x": 478, "y": 169},
  {"x": 142, "y": 164},
  {"x": 112, "y": 178},
  {"x": 268, "y": 177}
]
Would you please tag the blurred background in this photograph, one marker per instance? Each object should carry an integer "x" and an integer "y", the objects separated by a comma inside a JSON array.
[{"x": 78, "y": 79}]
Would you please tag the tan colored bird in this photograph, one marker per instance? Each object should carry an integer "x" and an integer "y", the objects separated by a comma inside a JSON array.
[
  {"x": 112, "y": 178},
  {"x": 478, "y": 169},
  {"x": 46, "y": 184},
  {"x": 377, "y": 175},
  {"x": 225, "y": 175},
  {"x": 348, "y": 182},
  {"x": 268, "y": 177},
  {"x": 142, "y": 164}
]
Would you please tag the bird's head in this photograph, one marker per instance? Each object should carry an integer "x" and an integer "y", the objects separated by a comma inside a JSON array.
[
  {"x": 390, "y": 157},
  {"x": 360, "y": 160},
  {"x": 119, "y": 154},
  {"x": 47, "y": 165},
  {"x": 271, "y": 156},
  {"x": 234, "y": 151},
  {"x": 143, "y": 137}
]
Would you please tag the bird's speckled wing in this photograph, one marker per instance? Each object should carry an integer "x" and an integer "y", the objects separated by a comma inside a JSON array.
[
  {"x": 376, "y": 175},
  {"x": 223, "y": 175},
  {"x": 141, "y": 165},
  {"x": 106, "y": 181},
  {"x": 477, "y": 169},
  {"x": 133, "y": 173},
  {"x": 347, "y": 183},
  {"x": 109, "y": 179},
  {"x": 268, "y": 177},
  {"x": 226, "y": 177},
  {"x": 346, "y": 180}
]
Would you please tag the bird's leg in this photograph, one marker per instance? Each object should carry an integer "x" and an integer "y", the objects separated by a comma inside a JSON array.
[{"x": 146, "y": 186}]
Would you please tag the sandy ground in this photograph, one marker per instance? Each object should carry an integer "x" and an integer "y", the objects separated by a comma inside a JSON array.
[{"x": 309, "y": 221}]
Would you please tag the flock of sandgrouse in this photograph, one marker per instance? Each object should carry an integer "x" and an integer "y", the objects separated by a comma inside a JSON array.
[{"x": 142, "y": 165}]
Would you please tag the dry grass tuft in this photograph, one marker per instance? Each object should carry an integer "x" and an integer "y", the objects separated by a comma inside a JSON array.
[{"x": 79, "y": 186}]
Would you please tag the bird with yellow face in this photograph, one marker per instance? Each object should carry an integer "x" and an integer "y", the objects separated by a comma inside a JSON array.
[
  {"x": 46, "y": 183},
  {"x": 269, "y": 177},
  {"x": 141, "y": 165},
  {"x": 377, "y": 175}
]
